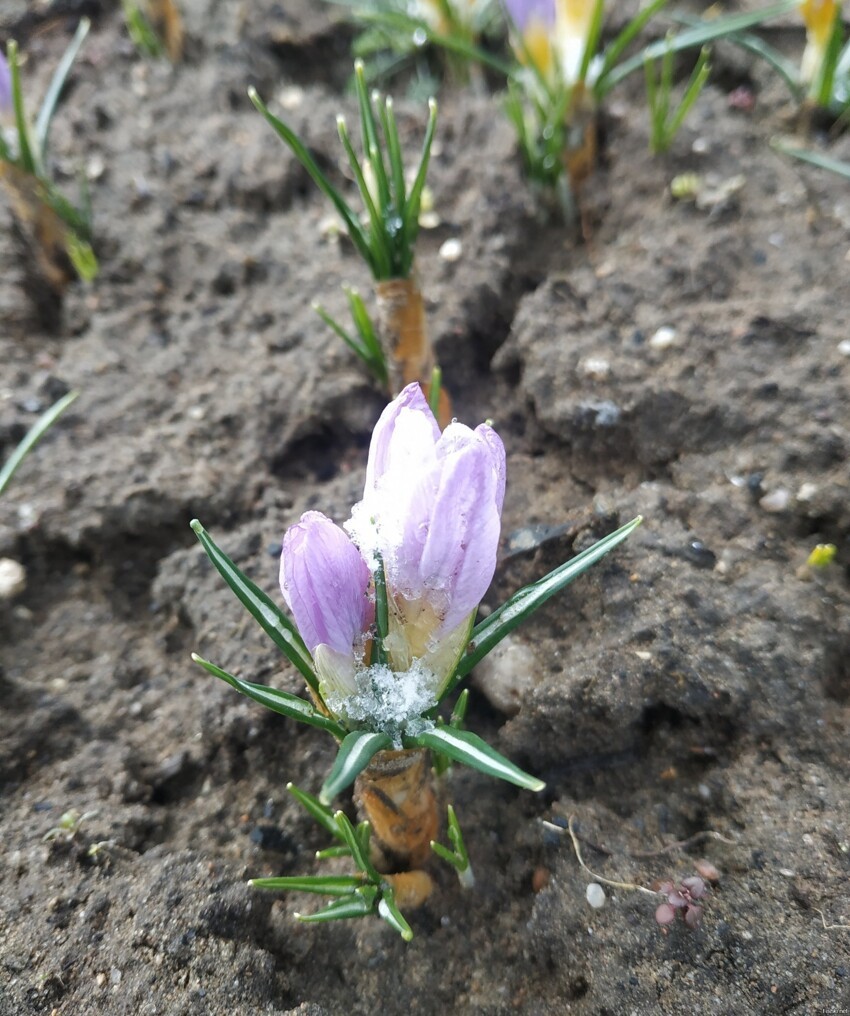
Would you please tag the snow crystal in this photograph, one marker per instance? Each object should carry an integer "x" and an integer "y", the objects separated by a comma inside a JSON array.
[{"x": 388, "y": 701}]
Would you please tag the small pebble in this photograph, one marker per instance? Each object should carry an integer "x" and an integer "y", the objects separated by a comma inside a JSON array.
[
  {"x": 13, "y": 578},
  {"x": 664, "y": 338},
  {"x": 776, "y": 501},
  {"x": 291, "y": 97},
  {"x": 595, "y": 895},
  {"x": 807, "y": 491},
  {"x": 596, "y": 367},
  {"x": 844, "y": 347},
  {"x": 699, "y": 555},
  {"x": 95, "y": 168},
  {"x": 451, "y": 250}
]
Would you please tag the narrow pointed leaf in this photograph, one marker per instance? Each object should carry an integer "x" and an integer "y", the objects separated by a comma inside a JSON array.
[
  {"x": 388, "y": 910},
  {"x": 357, "y": 844},
  {"x": 329, "y": 885},
  {"x": 26, "y": 159},
  {"x": 355, "y": 753},
  {"x": 489, "y": 632},
  {"x": 468, "y": 748},
  {"x": 57, "y": 83},
  {"x": 272, "y": 698},
  {"x": 615, "y": 49},
  {"x": 266, "y": 613},
  {"x": 314, "y": 807},
  {"x": 329, "y": 852},
  {"x": 348, "y": 216},
  {"x": 33, "y": 436},
  {"x": 691, "y": 38},
  {"x": 813, "y": 158},
  {"x": 340, "y": 910},
  {"x": 410, "y": 217}
]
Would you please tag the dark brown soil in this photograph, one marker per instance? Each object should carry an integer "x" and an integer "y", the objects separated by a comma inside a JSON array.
[{"x": 698, "y": 680}]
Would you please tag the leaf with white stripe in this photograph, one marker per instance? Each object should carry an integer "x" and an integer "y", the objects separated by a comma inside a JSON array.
[
  {"x": 264, "y": 611},
  {"x": 468, "y": 748},
  {"x": 272, "y": 698},
  {"x": 488, "y": 633},
  {"x": 355, "y": 753}
]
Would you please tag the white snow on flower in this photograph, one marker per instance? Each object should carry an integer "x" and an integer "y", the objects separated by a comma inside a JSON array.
[{"x": 388, "y": 701}]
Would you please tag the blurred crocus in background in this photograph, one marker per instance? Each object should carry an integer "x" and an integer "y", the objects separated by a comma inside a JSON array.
[
  {"x": 428, "y": 525},
  {"x": 819, "y": 17},
  {"x": 552, "y": 35},
  {"x": 5, "y": 86}
]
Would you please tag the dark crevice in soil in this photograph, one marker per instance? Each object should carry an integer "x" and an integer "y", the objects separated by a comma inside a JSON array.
[{"x": 324, "y": 59}]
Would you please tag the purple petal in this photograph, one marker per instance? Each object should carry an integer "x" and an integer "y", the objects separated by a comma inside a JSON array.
[
  {"x": 450, "y": 530},
  {"x": 5, "y": 86},
  {"x": 405, "y": 428},
  {"x": 665, "y": 914},
  {"x": 695, "y": 886},
  {"x": 521, "y": 12},
  {"x": 693, "y": 916},
  {"x": 325, "y": 583}
]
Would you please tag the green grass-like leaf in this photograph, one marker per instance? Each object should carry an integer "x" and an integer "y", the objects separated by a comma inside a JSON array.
[
  {"x": 355, "y": 753},
  {"x": 813, "y": 158},
  {"x": 488, "y": 633},
  {"x": 359, "y": 904},
  {"x": 468, "y": 748},
  {"x": 329, "y": 885},
  {"x": 33, "y": 436},
  {"x": 266, "y": 613},
  {"x": 389, "y": 912},
  {"x": 272, "y": 698},
  {"x": 691, "y": 38},
  {"x": 318, "y": 811},
  {"x": 54, "y": 90}
]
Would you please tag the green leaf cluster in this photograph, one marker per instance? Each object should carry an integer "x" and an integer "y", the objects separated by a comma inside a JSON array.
[
  {"x": 359, "y": 747},
  {"x": 27, "y": 151},
  {"x": 367, "y": 892},
  {"x": 385, "y": 237}
]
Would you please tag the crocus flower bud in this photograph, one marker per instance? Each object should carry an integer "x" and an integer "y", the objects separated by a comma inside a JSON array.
[
  {"x": 325, "y": 583},
  {"x": 554, "y": 35},
  {"x": 5, "y": 86},
  {"x": 819, "y": 17},
  {"x": 430, "y": 518},
  {"x": 431, "y": 514}
]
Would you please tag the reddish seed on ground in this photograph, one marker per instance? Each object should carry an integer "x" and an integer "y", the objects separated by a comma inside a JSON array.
[
  {"x": 540, "y": 878},
  {"x": 707, "y": 870}
]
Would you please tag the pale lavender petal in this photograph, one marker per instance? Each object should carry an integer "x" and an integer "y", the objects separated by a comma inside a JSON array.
[
  {"x": 497, "y": 452},
  {"x": 5, "y": 86},
  {"x": 459, "y": 556},
  {"x": 521, "y": 12},
  {"x": 387, "y": 445},
  {"x": 447, "y": 551},
  {"x": 694, "y": 885},
  {"x": 665, "y": 914},
  {"x": 325, "y": 583}
]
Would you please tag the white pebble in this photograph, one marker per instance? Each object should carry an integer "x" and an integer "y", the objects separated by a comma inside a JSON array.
[
  {"x": 595, "y": 895},
  {"x": 596, "y": 367},
  {"x": 507, "y": 675},
  {"x": 844, "y": 347},
  {"x": 13, "y": 578},
  {"x": 807, "y": 491},
  {"x": 291, "y": 97},
  {"x": 451, "y": 250},
  {"x": 664, "y": 338},
  {"x": 776, "y": 501}
]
